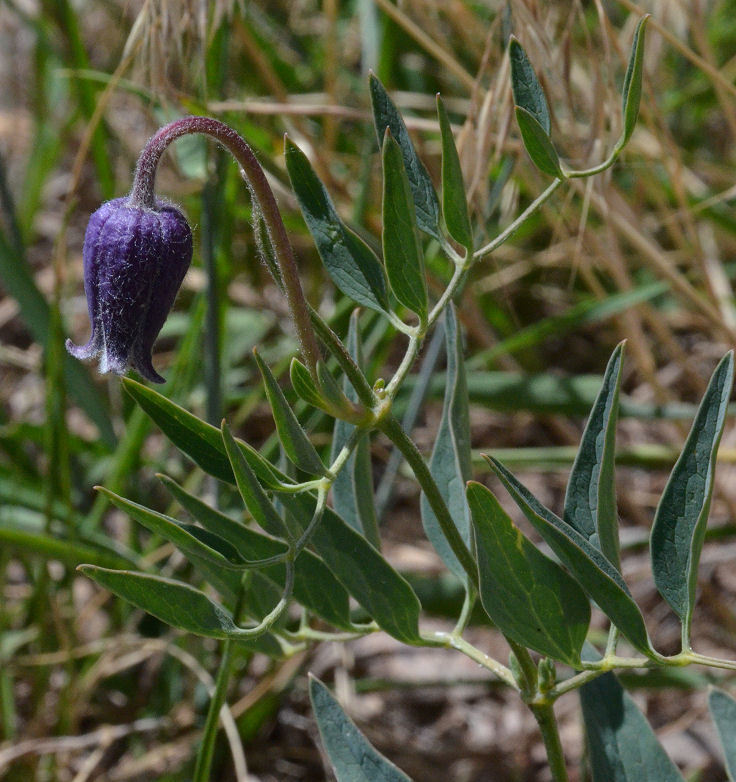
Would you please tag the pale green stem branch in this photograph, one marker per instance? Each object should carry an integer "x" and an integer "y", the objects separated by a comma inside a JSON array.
[
  {"x": 519, "y": 221},
  {"x": 450, "y": 640}
]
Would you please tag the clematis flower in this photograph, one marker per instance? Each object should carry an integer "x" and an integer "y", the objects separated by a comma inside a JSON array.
[{"x": 135, "y": 259}]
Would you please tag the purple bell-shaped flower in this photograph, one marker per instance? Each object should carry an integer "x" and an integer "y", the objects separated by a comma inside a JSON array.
[{"x": 134, "y": 262}]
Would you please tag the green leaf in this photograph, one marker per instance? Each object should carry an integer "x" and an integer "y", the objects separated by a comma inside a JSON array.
[
  {"x": 352, "y": 491},
  {"x": 337, "y": 402},
  {"x": 314, "y": 585},
  {"x": 631, "y": 92},
  {"x": 723, "y": 710},
  {"x": 200, "y": 441},
  {"x": 360, "y": 568},
  {"x": 682, "y": 513},
  {"x": 303, "y": 385},
  {"x": 528, "y": 597},
  {"x": 622, "y": 745},
  {"x": 386, "y": 115},
  {"x": 173, "y": 602},
  {"x": 213, "y": 548},
  {"x": 402, "y": 251},
  {"x": 352, "y": 757},
  {"x": 454, "y": 201},
  {"x": 266, "y": 251},
  {"x": 590, "y": 500},
  {"x": 528, "y": 92},
  {"x": 255, "y": 499},
  {"x": 450, "y": 463},
  {"x": 537, "y": 143},
  {"x": 297, "y": 445},
  {"x": 350, "y": 262},
  {"x": 596, "y": 575}
]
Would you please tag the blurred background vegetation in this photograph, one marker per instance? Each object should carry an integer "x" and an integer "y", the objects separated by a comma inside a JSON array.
[{"x": 93, "y": 689}]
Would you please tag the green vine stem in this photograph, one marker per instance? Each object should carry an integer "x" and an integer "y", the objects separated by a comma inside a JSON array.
[
  {"x": 207, "y": 748},
  {"x": 392, "y": 429},
  {"x": 545, "y": 716},
  {"x": 511, "y": 229}
]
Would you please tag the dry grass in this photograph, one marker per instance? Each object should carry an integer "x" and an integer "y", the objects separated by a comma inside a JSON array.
[{"x": 85, "y": 694}]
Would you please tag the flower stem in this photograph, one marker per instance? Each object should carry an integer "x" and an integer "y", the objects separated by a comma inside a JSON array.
[
  {"x": 545, "y": 716},
  {"x": 392, "y": 429},
  {"x": 142, "y": 195},
  {"x": 207, "y": 748}
]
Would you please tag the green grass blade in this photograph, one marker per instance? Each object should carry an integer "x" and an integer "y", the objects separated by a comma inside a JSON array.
[{"x": 36, "y": 314}]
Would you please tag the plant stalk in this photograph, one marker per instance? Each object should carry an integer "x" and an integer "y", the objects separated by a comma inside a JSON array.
[
  {"x": 207, "y": 748},
  {"x": 545, "y": 716},
  {"x": 392, "y": 429}
]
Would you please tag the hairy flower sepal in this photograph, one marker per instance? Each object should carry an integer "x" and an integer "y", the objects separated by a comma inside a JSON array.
[{"x": 135, "y": 259}]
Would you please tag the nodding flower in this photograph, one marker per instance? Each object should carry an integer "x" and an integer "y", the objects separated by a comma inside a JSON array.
[{"x": 135, "y": 259}]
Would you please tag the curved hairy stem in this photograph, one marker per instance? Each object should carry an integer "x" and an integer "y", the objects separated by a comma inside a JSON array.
[{"x": 142, "y": 195}]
